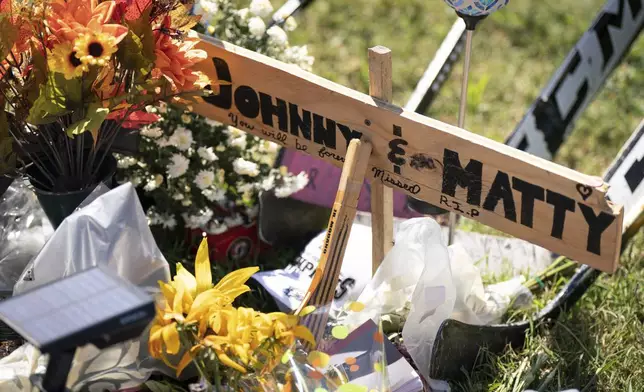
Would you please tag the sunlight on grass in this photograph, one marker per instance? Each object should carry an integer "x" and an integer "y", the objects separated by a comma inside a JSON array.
[
  {"x": 515, "y": 52},
  {"x": 598, "y": 345}
]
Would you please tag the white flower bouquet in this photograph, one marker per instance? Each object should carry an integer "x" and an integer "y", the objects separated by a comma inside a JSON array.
[{"x": 200, "y": 173}]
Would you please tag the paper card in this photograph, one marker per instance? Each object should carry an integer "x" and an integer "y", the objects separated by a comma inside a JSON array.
[
  {"x": 358, "y": 354},
  {"x": 289, "y": 285}
]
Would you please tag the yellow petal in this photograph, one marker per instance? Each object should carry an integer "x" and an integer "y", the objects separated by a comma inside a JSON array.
[
  {"x": 171, "y": 339},
  {"x": 235, "y": 279},
  {"x": 203, "y": 326},
  {"x": 215, "y": 323},
  {"x": 168, "y": 291},
  {"x": 185, "y": 361},
  {"x": 217, "y": 340},
  {"x": 203, "y": 303},
  {"x": 155, "y": 342},
  {"x": 188, "y": 280},
  {"x": 202, "y": 268},
  {"x": 303, "y": 333},
  {"x": 225, "y": 359},
  {"x": 236, "y": 292},
  {"x": 177, "y": 305}
]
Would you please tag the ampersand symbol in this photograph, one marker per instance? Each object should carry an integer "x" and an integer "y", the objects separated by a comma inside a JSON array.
[{"x": 395, "y": 150}]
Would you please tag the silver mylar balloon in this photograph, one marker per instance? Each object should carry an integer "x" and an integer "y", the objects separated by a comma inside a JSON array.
[{"x": 476, "y": 7}]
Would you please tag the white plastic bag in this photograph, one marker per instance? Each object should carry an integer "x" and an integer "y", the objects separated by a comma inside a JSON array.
[
  {"x": 418, "y": 248},
  {"x": 111, "y": 231},
  {"x": 24, "y": 229},
  {"x": 479, "y": 305},
  {"x": 423, "y": 282},
  {"x": 434, "y": 295}
]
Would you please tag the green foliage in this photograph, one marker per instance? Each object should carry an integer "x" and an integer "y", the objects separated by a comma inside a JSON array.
[
  {"x": 57, "y": 97},
  {"x": 38, "y": 74},
  {"x": 596, "y": 346},
  {"x": 94, "y": 117},
  {"x": 136, "y": 52}
]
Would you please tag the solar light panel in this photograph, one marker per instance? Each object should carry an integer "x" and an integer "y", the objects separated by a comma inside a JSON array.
[{"x": 92, "y": 306}]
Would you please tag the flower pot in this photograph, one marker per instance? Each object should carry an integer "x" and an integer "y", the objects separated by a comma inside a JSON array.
[
  {"x": 234, "y": 245},
  {"x": 59, "y": 205}
]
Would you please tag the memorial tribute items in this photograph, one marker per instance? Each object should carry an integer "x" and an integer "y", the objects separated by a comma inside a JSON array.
[
  {"x": 73, "y": 73},
  {"x": 110, "y": 231},
  {"x": 204, "y": 175}
]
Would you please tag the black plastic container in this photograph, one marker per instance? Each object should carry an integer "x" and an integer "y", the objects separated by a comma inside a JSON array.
[{"x": 58, "y": 206}]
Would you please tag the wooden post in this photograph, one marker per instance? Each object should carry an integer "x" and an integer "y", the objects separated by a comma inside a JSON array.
[
  {"x": 382, "y": 197},
  {"x": 325, "y": 280}
]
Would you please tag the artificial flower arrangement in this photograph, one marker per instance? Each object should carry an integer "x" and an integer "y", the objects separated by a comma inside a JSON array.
[
  {"x": 201, "y": 174},
  {"x": 74, "y": 73}
]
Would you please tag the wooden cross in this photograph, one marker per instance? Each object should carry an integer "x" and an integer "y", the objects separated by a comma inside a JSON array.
[{"x": 528, "y": 197}]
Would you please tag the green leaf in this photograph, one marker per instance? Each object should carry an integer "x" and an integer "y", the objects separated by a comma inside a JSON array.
[
  {"x": 58, "y": 96},
  {"x": 136, "y": 51},
  {"x": 38, "y": 74},
  {"x": 156, "y": 386},
  {"x": 91, "y": 123}
]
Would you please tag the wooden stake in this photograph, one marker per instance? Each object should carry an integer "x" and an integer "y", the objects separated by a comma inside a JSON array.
[
  {"x": 326, "y": 276},
  {"x": 382, "y": 197}
]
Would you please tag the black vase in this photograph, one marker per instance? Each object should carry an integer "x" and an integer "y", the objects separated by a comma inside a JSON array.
[{"x": 59, "y": 205}]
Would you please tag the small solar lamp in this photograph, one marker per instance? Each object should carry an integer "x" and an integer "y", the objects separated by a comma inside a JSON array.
[{"x": 94, "y": 306}]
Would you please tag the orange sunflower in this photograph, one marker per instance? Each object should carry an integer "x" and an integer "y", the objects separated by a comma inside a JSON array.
[
  {"x": 68, "y": 19},
  {"x": 174, "y": 60}
]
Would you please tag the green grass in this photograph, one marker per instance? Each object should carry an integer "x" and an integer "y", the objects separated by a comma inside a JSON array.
[
  {"x": 598, "y": 345},
  {"x": 515, "y": 52}
]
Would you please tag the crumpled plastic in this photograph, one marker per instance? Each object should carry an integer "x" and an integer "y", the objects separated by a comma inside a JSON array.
[
  {"x": 421, "y": 282},
  {"x": 356, "y": 359},
  {"x": 482, "y": 305},
  {"x": 111, "y": 231},
  {"x": 24, "y": 229}
]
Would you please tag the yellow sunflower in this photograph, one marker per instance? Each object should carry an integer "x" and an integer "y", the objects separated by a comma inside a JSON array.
[
  {"x": 95, "y": 48},
  {"x": 64, "y": 59}
]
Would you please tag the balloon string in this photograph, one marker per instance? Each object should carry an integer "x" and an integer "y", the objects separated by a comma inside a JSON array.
[{"x": 461, "y": 114}]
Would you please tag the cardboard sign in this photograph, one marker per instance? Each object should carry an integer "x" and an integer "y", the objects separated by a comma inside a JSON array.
[
  {"x": 324, "y": 176},
  {"x": 512, "y": 191}
]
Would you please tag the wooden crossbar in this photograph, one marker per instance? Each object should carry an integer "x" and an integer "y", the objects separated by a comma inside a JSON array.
[{"x": 530, "y": 198}]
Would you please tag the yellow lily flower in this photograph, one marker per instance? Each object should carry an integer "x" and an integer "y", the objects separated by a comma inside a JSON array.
[{"x": 193, "y": 300}]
